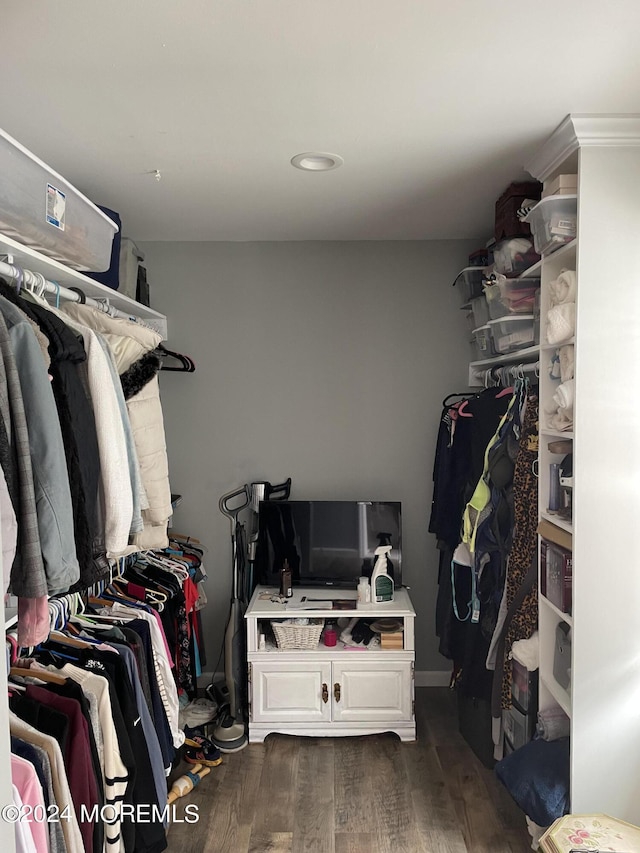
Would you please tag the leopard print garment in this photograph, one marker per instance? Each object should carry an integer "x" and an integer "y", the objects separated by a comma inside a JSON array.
[{"x": 525, "y": 542}]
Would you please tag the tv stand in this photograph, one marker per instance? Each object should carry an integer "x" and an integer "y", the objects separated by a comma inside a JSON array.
[{"x": 329, "y": 691}]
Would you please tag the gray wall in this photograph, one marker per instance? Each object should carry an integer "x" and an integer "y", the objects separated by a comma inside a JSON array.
[{"x": 325, "y": 362}]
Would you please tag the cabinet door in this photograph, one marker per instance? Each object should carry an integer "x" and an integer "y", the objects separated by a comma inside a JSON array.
[
  {"x": 372, "y": 691},
  {"x": 291, "y": 692}
]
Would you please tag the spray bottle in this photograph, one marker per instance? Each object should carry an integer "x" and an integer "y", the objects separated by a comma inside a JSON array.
[{"x": 381, "y": 581}]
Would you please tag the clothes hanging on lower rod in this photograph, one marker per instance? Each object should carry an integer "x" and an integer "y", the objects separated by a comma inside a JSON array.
[
  {"x": 95, "y": 708},
  {"x": 462, "y": 464}
]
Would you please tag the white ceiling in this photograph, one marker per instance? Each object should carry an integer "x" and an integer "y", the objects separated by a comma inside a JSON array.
[{"x": 434, "y": 106}]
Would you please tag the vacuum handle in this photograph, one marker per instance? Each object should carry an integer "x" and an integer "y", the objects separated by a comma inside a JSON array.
[
  {"x": 233, "y": 512},
  {"x": 285, "y": 488}
]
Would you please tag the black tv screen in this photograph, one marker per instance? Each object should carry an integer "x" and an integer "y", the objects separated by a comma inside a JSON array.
[{"x": 326, "y": 543}]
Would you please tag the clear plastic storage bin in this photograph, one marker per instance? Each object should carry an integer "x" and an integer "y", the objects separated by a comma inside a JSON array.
[
  {"x": 44, "y": 211},
  {"x": 480, "y": 310},
  {"x": 553, "y": 222},
  {"x": 514, "y": 256},
  {"x": 518, "y": 727},
  {"x": 484, "y": 342},
  {"x": 518, "y": 294},
  {"x": 497, "y": 308},
  {"x": 469, "y": 283},
  {"x": 524, "y": 686},
  {"x": 512, "y": 333}
]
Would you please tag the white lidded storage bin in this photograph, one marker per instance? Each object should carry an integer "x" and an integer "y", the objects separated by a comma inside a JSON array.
[
  {"x": 484, "y": 342},
  {"x": 40, "y": 209},
  {"x": 553, "y": 222},
  {"x": 512, "y": 333}
]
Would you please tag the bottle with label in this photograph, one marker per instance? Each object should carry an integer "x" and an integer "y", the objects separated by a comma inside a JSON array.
[
  {"x": 364, "y": 591},
  {"x": 286, "y": 579},
  {"x": 381, "y": 581}
]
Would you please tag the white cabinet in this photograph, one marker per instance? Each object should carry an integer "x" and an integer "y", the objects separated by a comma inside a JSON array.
[{"x": 329, "y": 691}]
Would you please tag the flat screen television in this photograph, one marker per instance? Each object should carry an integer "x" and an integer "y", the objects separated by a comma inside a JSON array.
[{"x": 326, "y": 543}]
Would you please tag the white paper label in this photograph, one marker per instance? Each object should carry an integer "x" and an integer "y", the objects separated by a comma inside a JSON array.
[{"x": 56, "y": 202}]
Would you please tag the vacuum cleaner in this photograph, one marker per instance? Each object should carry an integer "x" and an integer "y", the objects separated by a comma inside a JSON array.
[{"x": 230, "y": 733}]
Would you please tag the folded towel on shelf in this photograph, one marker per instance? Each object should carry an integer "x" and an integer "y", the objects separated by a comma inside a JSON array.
[
  {"x": 563, "y": 289},
  {"x": 561, "y": 322},
  {"x": 553, "y": 724},
  {"x": 567, "y": 362},
  {"x": 527, "y": 652},
  {"x": 564, "y": 395}
]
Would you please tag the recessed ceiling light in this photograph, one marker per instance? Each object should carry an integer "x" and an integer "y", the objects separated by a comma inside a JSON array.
[{"x": 317, "y": 161}]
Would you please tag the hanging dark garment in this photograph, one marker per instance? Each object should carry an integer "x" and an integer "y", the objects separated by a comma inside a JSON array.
[{"x": 524, "y": 621}]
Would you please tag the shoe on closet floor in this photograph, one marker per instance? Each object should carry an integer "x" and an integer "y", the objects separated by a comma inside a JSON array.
[{"x": 199, "y": 749}]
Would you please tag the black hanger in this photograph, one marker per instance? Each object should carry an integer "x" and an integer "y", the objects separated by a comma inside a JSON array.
[
  {"x": 188, "y": 366},
  {"x": 465, "y": 396}
]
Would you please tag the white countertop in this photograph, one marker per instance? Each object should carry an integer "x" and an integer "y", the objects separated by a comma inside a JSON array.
[{"x": 317, "y": 601}]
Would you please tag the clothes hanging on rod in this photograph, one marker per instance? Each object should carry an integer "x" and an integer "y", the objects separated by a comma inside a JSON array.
[
  {"x": 462, "y": 463},
  {"x": 94, "y": 709},
  {"x": 84, "y": 471}
]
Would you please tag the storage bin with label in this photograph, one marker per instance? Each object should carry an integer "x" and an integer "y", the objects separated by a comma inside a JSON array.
[
  {"x": 512, "y": 333},
  {"x": 469, "y": 284},
  {"x": 518, "y": 727},
  {"x": 514, "y": 256},
  {"x": 480, "y": 310},
  {"x": 553, "y": 222},
  {"x": 44, "y": 211},
  {"x": 484, "y": 342},
  {"x": 524, "y": 687},
  {"x": 562, "y": 655}
]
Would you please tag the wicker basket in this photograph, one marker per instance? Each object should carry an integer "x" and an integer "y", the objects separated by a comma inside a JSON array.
[{"x": 291, "y": 636}]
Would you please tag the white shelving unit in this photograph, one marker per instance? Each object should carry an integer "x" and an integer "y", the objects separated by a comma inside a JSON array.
[
  {"x": 329, "y": 691},
  {"x": 27, "y": 258},
  {"x": 605, "y": 643}
]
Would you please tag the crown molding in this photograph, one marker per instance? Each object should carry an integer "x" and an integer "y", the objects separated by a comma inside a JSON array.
[{"x": 578, "y": 131}]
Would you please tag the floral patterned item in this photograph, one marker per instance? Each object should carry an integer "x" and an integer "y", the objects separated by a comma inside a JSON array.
[{"x": 590, "y": 833}]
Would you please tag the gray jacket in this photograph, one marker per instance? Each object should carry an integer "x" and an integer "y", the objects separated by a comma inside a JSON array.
[{"x": 50, "y": 478}]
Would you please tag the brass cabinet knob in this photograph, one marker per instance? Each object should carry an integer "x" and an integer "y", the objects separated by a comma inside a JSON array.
[
  {"x": 336, "y": 691},
  {"x": 325, "y": 693}
]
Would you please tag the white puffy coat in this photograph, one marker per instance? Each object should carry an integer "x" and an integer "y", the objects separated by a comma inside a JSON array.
[{"x": 129, "y": 342}]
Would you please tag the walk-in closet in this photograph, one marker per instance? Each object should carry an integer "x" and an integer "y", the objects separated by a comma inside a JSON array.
[{"x": 318, "y": 442}]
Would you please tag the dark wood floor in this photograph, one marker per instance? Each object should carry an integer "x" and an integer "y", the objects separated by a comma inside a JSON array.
[{"x": 356, "y": 795}]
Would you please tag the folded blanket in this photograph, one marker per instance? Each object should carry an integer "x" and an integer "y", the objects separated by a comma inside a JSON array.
[
  {"x": 561, "y": 322},
  {"x": 563, "y": 289},
  {"x": 564, "y": 395}
]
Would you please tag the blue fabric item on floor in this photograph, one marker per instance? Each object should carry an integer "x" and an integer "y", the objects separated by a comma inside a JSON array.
[{"x": 537, "y": 777}]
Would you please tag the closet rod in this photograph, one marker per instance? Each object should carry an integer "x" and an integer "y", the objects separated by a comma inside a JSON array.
[
  {"x": 37, "y": 282},
  {"x": 516, "y": 370}
]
